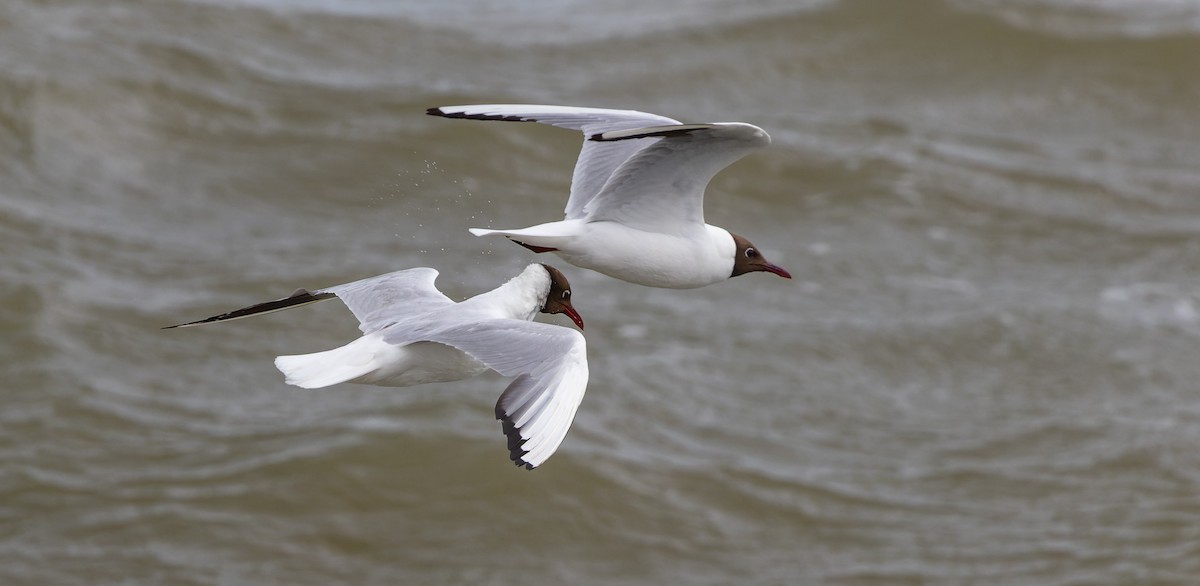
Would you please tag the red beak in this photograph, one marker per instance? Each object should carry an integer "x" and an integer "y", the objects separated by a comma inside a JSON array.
[
  {"x": 778, "y": 270},
  {"x": 574, "y": 315}
]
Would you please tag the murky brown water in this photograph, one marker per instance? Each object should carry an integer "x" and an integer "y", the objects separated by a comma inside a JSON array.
[{"x": 985, "y": 371}]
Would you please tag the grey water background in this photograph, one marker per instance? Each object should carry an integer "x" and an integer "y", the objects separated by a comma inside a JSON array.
[{"x": 985, "y": 371}]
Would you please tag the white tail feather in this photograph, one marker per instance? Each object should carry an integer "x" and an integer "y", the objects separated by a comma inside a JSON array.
[
  {"x": 550, "y": 234},
  {"x": 322, "y": 369}
]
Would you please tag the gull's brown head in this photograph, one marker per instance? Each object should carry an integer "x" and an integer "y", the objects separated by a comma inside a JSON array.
[
  {"x": 747, "y": 259},
  {"x": 559, "y": 298}
]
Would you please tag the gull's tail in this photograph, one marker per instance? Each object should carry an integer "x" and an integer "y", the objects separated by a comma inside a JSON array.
[
  {"x": 541, "y": 238},
  {"x": 322, "y": 369}
]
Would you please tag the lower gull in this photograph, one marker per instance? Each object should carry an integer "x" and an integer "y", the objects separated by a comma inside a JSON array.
[{"x": 413, "y": 334}]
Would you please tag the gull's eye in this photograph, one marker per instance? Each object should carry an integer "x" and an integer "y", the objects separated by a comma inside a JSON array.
[
  {"x": 751, "y": 253},
  {"x": 566, "y": 294}
]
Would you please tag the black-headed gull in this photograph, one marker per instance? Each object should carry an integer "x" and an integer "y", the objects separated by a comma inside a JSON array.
[
  {"x": 413, "y": 334},
  {"x": 636, "y": 209}
]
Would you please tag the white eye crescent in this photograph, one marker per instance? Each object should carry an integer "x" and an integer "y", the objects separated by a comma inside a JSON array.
[
  {"x": 751, "y": 253},
  {"x": 566, "y": 294}
]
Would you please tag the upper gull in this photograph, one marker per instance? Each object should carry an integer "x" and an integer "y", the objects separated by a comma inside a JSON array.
[{"x": 636, "y": 209}]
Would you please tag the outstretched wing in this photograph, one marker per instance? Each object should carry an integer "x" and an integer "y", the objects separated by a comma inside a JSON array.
[
  {"x": 661, "y": 187},
  {"x": 597, "y": 160},
  {"x": 550, "y": 366},
  {"x": 381, "y": 301},
  {"x": 376, "y": 301}
]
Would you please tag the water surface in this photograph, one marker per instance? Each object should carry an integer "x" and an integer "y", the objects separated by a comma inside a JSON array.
[{"x": 983, "y": 373}]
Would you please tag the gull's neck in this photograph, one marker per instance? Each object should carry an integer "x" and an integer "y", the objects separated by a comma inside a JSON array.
[
  {"x": 723, "y": 242},
  {"x": 522, "y": 297}
]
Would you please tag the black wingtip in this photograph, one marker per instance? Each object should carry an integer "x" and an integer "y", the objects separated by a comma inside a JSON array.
[
  {"x": 649, "y": 132},
  {"x": 438, "y": 111},
  {"x": 515, "y": 452},
  {"x": 299, "y": 297}
]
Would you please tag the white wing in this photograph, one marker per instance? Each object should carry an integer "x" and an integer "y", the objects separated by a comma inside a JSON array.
[
  {"x": 550, "y": 366},
  {"x": 597, "y": 160},
  {"x": 380, "y": 301},
  {"x": 661, "y": 187},
  {"x": 376, "y": 301}
]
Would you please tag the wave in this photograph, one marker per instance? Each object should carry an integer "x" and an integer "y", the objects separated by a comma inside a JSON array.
[
  {"x": 1094, "y": 19},
  {"x": 562, "y": 22}
]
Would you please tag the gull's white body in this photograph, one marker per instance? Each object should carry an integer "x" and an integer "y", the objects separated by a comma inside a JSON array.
[
  {"x": 636, "y": 209},
  {"x": 614, "y": 249},
  {"x": 372, "y": 360}
]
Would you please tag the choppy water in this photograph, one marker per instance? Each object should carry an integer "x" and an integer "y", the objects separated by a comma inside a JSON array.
[{"x": 985, "y": 372}]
